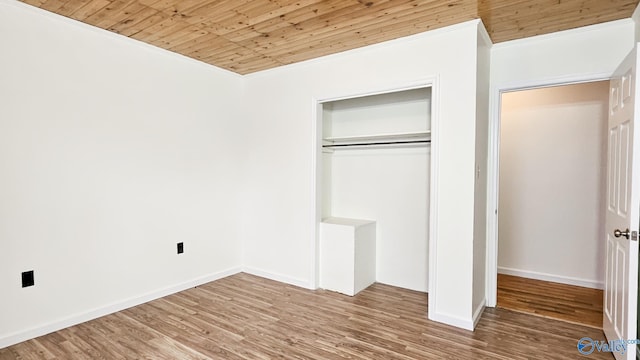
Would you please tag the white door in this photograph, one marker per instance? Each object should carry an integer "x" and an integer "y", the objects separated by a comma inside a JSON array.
[{"x": 623, "y": 207}]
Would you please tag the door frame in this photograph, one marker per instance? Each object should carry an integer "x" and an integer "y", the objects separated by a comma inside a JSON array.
[{"x": 493, "y": 164}]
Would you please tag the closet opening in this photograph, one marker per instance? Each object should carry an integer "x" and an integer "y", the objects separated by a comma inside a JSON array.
[{"x": 373, "y": 191}]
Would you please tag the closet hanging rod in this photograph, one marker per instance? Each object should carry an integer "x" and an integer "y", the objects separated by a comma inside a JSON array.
[
  {"x": 408, "y": 142},
  {"x": 412, "y": 136}
]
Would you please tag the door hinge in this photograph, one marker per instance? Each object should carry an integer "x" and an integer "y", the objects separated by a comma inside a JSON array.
[{"x": 634, "y": 235}]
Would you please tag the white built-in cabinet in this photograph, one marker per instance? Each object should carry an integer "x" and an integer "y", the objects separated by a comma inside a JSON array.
[
  {"x": 375, "y": 172},
  {"x": 348, "y": 248}
]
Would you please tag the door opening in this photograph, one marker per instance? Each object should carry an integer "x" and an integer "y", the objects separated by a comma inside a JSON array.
[{"x": 551, "y": 194}]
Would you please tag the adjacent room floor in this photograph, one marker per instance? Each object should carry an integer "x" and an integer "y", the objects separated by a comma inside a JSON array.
[
  {"x": 574, "y": 304},
  {"x": 248, "y": 317}
]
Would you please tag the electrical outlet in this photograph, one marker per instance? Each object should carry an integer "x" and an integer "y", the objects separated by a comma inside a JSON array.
[
  {"x": 180, "y": 248},
  {"x": 27, "y": 279}
]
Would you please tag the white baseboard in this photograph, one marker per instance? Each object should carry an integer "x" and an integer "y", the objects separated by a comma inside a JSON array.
[
  {"x": 278, "y": 277},
  {"x": 594, "y": 284},
  {"x": 456, "y": 321},
  {"x": 477, "y": 314},
  {"x": 21, "y": 336}
]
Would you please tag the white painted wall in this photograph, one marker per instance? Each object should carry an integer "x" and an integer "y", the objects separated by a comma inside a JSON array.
[
  {"x": 483, "y": 65},
  {"x": 389, "y": 185},
  {"x": 552, "y": 166},
  {"x": 279, "y": 224},
  {"x": 636, "y": 20},
  {"x": 111, "y": 152},
  {"x": 562, "y": 56},
  {"x": 587, "y": 53},
  {"x": 390, "y": 113}
]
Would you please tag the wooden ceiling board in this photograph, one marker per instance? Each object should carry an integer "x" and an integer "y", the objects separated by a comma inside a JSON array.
[
  {"x": 245, "y": 36},
  {"x": 348, "y": 35},
  {"x": 520, "y": 19},
  {"x": 342, "y": 30}
]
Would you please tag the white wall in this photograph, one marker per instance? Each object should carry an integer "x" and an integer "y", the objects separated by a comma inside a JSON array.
[
  {"x": 587, "y": 53},
  {"x": 111, "y": 152},
  {"x": 636, "y": 20},
  {"x": 390, "y": 186},
  {"x": 390, "y": 113},
  {"x": 552, "y": 161},
  {"x": 483, "y": 65},
  {"x": 562, "y": 56},
  {"x": 278, "y": 225}
]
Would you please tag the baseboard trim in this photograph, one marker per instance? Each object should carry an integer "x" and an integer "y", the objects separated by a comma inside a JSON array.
[
  {"x": 32, "y": 333},
  {"x": 456, "y": 321},
  {"x": 477, "y": 314},
  {"x": 553, "y": 278},
  {"x": 278, "y": 277}
]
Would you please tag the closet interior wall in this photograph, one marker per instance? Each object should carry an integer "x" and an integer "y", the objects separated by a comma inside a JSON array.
[{"x": 388, "y": 184}]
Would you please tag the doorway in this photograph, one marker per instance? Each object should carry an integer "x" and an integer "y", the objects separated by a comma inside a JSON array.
[{"x": 551, "y": 194}]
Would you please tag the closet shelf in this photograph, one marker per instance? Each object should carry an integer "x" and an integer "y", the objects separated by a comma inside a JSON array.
[{"x": 403, "y": 139}]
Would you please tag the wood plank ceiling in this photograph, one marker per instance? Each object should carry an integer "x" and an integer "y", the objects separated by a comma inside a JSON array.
[{"x": 245, "y": 36}]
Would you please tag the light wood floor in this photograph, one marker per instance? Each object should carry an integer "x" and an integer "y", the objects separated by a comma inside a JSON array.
[
  {"x": 247, "y": 317},
  {"x": 575, "y": 304}
]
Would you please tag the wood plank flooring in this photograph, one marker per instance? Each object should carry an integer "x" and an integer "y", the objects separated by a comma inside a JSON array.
[
  {"x": 247, "y": 317},
  {"x": 575, "y": 304}
]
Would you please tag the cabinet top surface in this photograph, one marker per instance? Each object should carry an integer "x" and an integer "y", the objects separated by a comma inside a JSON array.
[{"x": 346, "y": 221}]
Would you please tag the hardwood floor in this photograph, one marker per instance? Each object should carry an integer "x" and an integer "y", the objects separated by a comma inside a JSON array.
[
  {"x": 575, "y": 304},
  {"x": 247, "y": 317}
]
